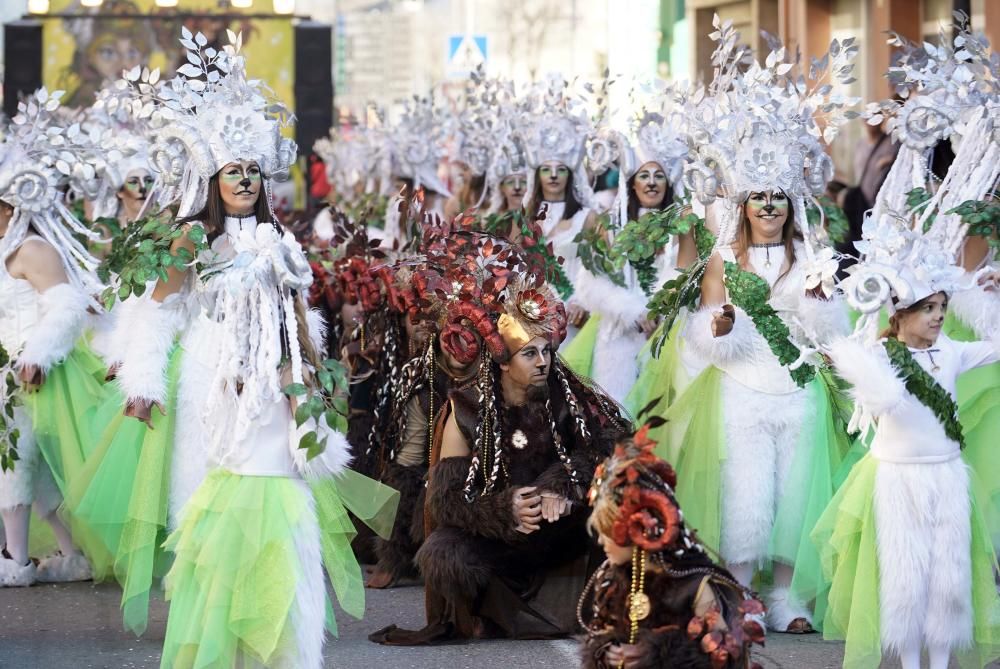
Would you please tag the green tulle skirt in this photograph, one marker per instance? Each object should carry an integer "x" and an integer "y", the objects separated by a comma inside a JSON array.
[
  {"x": 62, "y": 410},
  {"x": 236, "y": 568},
  {"x": 61, "y": 414},
  {"x": 694, "y": 440},
  {"x": 661, "y": 378},
  {"x": 122, "y": 496},
  {"x": 978, "y": 393},
  {"x": 579, "y": 353},
  {"x": 846, "y": 538}
]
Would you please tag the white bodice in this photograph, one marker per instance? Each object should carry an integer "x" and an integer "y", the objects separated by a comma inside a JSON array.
[
  {"x": 20, "y": 309},
  {"x": 761, "y": 370},
  {"x": 562, "y": 236},
  {"x": 911, "y": 433}
]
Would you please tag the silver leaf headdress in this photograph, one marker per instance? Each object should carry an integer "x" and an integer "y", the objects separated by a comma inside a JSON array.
[
  {"x": 40, "y": 157},
  {"x": 207, "y": 116}
]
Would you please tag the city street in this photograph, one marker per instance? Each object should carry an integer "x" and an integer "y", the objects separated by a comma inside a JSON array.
[{"x": 78, "y": 626}]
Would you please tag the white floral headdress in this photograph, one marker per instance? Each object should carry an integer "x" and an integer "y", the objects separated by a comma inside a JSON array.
[
  {"x": 351, "y": 157},
  {"x": 763, "y": 127},
  {"x": 951, "y": 92},
  {"x": 479, "y": 121},
  {"x": 556, "y": 126},
  {"x": 39, "y": 157},
  {"x": 207, "y": 116},
  {"x": 417, "y": 143},
  {"x": 899, "y": 266},
  {"x": 509, "y": 156},
  {"x": 126, "y": 140}
]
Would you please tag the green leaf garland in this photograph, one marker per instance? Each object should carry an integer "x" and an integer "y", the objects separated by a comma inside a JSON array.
[
  {"x": 9, "y": 398},
  {"x": 750, "y": 293},
  {"x": 925, "y": 388},
  {"x": 983, "y": 219}
]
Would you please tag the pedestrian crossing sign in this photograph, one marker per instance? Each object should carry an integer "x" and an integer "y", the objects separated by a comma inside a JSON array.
[{"x": 465, "y": 54}]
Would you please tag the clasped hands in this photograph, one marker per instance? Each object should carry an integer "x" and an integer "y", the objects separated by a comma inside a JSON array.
[
  {"x": 531, "y": 507},
  {"x": 31, "y": 376}
]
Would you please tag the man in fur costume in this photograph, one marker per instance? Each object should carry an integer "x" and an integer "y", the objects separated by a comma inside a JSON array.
[
  {"x": 427, "y": 381},
  {"x": 508, "y": 552},
  {"x": 658, "y": 601}
]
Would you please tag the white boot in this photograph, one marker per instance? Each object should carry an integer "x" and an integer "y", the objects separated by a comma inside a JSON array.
[
  {"x": 59, "y": 568},
  {"x": 14, "y": 575},
  {"x": 783, "y": 609}
]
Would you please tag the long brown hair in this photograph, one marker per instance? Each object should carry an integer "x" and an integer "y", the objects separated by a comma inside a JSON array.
[
  {"x": 789, "y": 233},
  {"x": 572, "y": 204},
  {"x": 893, "y": 329},
  {"x": 213, "y": 214}
]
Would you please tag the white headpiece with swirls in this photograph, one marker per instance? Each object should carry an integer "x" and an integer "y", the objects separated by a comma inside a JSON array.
[{"x": 39, "y": 156}]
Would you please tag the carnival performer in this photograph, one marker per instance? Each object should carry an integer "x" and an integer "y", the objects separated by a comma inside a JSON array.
[
  {"x": 555, "y": 132},
  {"x": 960, "y": 210},
  {"x": 615, "y": 293},
  {"x": 47, "y": 286},
  {"x": 507, "y": 547},
  {"x": 268, "y": 511},
  {"x": 905, "y": 546},
  {"x": 754, "y": 437},
  {"x": 658, "y": 601}
]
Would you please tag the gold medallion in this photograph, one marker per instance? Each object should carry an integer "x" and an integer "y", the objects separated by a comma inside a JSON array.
[{"x": 638, "y": 608}]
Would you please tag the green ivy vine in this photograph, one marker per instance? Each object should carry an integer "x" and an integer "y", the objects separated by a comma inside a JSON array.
[{"x": 925, "y": 388}]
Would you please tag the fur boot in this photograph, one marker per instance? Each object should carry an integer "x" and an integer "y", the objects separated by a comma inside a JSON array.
[
  {"x": 13, "y": 575},
  {"x": 59, "y": 568}
]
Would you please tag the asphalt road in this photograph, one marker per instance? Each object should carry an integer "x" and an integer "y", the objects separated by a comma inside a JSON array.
[{"x": 78, "y": 626}]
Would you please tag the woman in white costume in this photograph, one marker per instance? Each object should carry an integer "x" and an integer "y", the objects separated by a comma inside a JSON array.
[
  {"x": 46, "y": 289},
  {"x": 753, "y": 437},
  {"x": 246, "y": 585}
]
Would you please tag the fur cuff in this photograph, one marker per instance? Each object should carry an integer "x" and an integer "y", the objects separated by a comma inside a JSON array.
[
  {"x": 331, "y": 462},
  {"x": 599, "y": 295},
  {"x": 144, "y": 363},
  {"x": 876, "y": 384},
  {"x": 64, "y": 313},
  {"x": 828, "y": 319},
  {"x": 317, "y": 329},
  {"x": 978, "y": 309},
  {"x": 489, "y": 516},
  {"x": 739, "y": 343}
]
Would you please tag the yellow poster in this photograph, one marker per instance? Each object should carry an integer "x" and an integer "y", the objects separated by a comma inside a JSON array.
[{"x": 86, "y": 47}]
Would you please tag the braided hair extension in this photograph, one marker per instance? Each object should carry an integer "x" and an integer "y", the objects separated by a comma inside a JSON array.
[
  {"x": 579, "y": 421},
  {"x": 480, "y": 444},
  {"x": 498, "y": 460},
  {"x": 564, "y": 458},
  {"x": 412, "y": 378},
  {"x": 389, "y": 375}
]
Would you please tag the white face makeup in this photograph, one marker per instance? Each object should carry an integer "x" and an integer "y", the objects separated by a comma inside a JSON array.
[
  {"x": 530, "y": 366},
  {"x": 136, "y": 188},
  {"x": 650, "y": 185},
  {"x": 767, "y": 212},
  {"x": 239, "y": 185},
  {"x": 553, "y": 177}
]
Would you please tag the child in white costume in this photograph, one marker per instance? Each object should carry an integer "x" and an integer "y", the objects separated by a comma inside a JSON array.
[
  {"x": 45, "y": 288},
  {"x": 904, "y": 543}
]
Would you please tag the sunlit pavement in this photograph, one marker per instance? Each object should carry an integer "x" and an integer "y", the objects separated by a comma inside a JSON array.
[{"x": 78, "y": 626}]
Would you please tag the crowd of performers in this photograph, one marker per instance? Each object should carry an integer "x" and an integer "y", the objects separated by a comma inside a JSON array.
[{"x": 614, "y": 386}]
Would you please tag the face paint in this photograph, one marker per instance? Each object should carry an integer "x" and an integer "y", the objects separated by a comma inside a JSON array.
[{"x": 239, "y": 186}]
